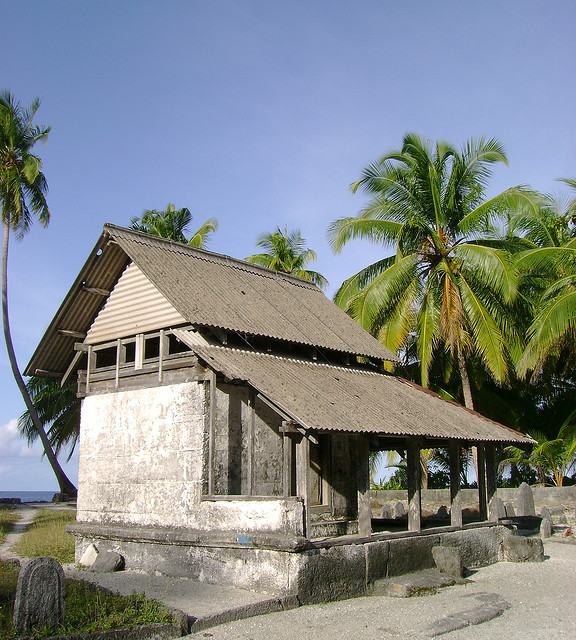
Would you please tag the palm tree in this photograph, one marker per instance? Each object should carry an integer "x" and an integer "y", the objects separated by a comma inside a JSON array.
[
  {"x": 551, "y": 261},
  {"x": 550, "y": 457},
  {"x": 287, "y": 252},
  {"x": 172, "y": 224},
  {"x": 23, "y": 195},
  {"x": 58, "y": 408},
  {"x": 448, "y": 286}
]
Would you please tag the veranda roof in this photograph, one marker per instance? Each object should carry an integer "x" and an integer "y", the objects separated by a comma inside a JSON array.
[{"x": 324, "y": 397}]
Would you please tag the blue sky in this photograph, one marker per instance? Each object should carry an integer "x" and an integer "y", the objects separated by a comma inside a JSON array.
[{"x": 260, "y": 114}]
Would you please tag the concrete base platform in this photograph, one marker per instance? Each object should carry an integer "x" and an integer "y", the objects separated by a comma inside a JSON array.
[{"x": 203, "y": 605}]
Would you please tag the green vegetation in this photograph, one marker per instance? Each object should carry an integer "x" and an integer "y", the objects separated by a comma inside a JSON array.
[
  {"x": 46, "y": 536},
  {"x": 8, "y": 517},
  {"x": 172, "y": 224},
  {"x": 287, "y": 252},
  {"x": 87, "y": 608}
]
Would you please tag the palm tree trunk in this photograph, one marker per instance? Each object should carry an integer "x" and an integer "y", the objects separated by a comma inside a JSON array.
[
  {"x": 466, "y": 388},
  {"x": 66, "y": 486},
  {"x": 468, "y": 401}
]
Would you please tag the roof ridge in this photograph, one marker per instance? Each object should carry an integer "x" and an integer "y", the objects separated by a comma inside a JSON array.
[{"x": 204, "y": 254}]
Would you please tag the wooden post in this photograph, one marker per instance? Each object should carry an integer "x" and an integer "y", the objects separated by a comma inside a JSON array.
[
  {"x": 90, "y": 366},
  {"x": 162, "y": 352},
  {"x": 211, "y": 423},
  {"x": 303, "y": 478},
  {"x": 481, "y": 476},
  {"x": 363, "y": 483},
  {"x": 250, "y": 461},
  {"x": 490, "y": 457},
  {"x": 139, "y": 351},
  {"x": 414, "y": 485},
  {"x": 287, "y": 464},
  {"x": 455, "y": 495}
]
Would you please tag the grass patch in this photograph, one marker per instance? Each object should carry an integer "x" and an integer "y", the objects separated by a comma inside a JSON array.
[
  {"x": 46, "y": 536},
  {"x": 86, "y": 608},
  {"x": 8, "y": 517}
]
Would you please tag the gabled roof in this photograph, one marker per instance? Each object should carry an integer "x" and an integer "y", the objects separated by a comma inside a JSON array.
[
  {"x": 323, "y": 397},
  {"x": 209, "y": 290}
]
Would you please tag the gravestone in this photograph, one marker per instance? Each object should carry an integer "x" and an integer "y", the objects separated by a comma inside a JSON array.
[
  {"x": 39, "y": 595},
  {"x": 399, "y": 510},
  {"x": 545, "y": 528},
  {"x": 387, "y": 511},
  {"x": 510, "y": 512},
  {"x": 525, "y": 501},
  {"x": 545, "y": 514},
  {"x": 520, "y": 549},
  {"x": 442, "y": 513},
  {"x": 496, "y": 509}
]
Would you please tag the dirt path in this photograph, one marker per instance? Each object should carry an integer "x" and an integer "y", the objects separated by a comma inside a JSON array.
[{"x": 27, "y": 515}]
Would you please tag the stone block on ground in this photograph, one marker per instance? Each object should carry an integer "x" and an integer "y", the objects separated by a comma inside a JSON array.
[
  {"x": 520, "y": 549},
  {"x": 414, "y": 584},
  {"x": 39, "y": 595},
  {"x": 107, "y": 562},
  {"x": 525, "y": 501},
  {"x": 545, "y": 528},
  {"x": 448, "y": 560},
  {"x": 89, "y": 556}
]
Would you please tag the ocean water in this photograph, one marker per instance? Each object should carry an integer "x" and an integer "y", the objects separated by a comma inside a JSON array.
[{"x": 29, "y": 496}]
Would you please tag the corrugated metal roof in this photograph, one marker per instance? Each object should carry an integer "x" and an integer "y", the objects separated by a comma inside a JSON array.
[
  {"x": 209, "y": 290},
  {"x": 326, "y": 397},
  {"x": 212, "y": 290}
]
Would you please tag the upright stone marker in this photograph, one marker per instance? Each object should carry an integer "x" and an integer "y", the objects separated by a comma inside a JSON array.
[
  {"x": 496, "y": 509},
  {"x": 39, "y": 595},
  {"x": 525, "y": 501}
]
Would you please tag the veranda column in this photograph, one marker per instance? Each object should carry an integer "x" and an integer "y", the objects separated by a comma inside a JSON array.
[
  {"x": 414, "y": 481},
  {"x": 363, "y": 483},
  {"x": 481, "y": 473},
  {"x": 455, "y": 495},
  {"x": 303, "y": 479},
  {"x": 490, "y": 456}
]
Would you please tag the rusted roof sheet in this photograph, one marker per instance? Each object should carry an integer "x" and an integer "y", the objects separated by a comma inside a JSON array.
[
  {"x": 331, "y": 398},
  {"x": 209, "y": 290}
]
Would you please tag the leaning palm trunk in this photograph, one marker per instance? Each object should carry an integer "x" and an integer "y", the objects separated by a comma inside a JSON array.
[{"x": 66, "y": 486}]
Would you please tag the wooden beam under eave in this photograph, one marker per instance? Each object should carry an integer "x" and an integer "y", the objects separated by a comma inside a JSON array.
[
  {"x": 96, "y": 291},
  {"x": 68, "y": 333},
  {"x": 47, "y": 373}
]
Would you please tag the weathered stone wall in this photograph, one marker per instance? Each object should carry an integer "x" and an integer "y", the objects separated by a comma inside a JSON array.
[
  {"x": 143, "y": 460},
  {"x": 557, "y": 499}
]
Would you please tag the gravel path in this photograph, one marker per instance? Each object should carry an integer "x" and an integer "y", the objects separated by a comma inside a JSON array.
[{"x": 515, "y": 601}]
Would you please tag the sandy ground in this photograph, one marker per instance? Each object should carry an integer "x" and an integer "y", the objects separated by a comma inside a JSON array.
[{"x": 533, "y": 600}]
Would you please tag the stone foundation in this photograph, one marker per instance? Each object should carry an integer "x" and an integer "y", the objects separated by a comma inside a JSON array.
[{"x": 284, "y": 565}]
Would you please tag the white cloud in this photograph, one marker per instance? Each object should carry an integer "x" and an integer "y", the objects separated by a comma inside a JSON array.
[{"x": 12, "y": 445}]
